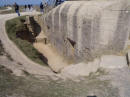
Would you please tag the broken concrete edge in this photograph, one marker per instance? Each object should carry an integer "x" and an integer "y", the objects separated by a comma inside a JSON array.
[{"x": 85, "y": 69}]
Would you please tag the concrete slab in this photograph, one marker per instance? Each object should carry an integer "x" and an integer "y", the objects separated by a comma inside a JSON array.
[
  {"x": 113, "y": 61},
  {"x": 101, "y": 27},
  {"x": 81, "y": 69}
]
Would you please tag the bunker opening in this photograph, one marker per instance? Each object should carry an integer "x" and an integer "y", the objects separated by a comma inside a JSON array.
[{"x": 73, "y": 43}]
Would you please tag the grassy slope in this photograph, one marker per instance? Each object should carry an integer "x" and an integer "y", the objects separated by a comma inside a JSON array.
[
  {"x": 3, "y": 8},
  {"x": 12, "y": 26}
]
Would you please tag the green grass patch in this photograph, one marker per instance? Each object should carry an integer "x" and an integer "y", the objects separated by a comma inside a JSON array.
[
  {"x": 4, "y": 11},
  {"x": 15, "y": 25},
  {"x": 3, "y": 8}
]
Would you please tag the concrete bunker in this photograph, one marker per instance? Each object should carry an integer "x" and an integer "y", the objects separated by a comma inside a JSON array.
[
  {"x": 91, "y": 27},
  {"x": 73, "y": 43}
]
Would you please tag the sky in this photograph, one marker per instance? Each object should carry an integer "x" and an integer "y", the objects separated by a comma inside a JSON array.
[{"x": 20, "y": 2}]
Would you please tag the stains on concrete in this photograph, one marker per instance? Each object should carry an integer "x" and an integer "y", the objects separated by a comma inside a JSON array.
[
  {"x": 91, "y": 25},
  {"x": 122, "y": 33}
]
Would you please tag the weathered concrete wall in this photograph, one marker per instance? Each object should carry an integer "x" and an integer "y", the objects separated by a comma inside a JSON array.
[{"x": 82, "y": 30}]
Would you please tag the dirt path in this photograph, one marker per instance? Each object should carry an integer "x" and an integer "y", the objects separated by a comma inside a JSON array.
[
  {"x": 16, "y": 54},
  {"x": 55, "y": 61}
]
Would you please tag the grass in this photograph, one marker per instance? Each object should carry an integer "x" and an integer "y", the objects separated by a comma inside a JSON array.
[
  {"x": 6, "y": 11},
  {"x": 3, "y": 8},
  {"x": 28, "y": 86},
  {"x": 15, "y": 25},
  {"x": 8, "y": 82}
]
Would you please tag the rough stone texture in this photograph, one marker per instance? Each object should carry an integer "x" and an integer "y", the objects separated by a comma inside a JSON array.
[
  {"x": 82, "y": 30},
  {"x": 113, "y": 62},
  {"x": 81, "y": 69}
]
